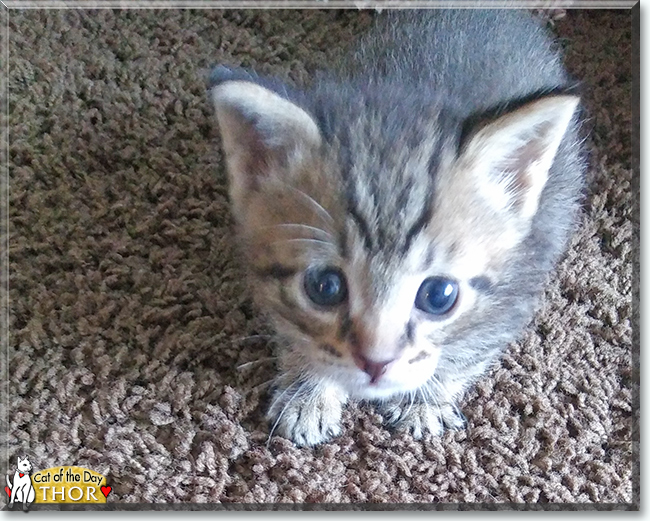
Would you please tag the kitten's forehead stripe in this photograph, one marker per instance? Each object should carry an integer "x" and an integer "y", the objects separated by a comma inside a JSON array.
[
  {"x": 388, "y": 167},
  {"x": 421, "y": 222},
  {"x": 343, "y": 243},
  {"x": 429, "y": 257},
  {"x": 403, "y": 197},
  {"x": 362, "y": 225},
  {"x": 454, "y": 248}
]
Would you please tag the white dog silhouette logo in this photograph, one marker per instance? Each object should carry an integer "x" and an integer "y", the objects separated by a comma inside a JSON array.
[{"x": 22, "y": 489}]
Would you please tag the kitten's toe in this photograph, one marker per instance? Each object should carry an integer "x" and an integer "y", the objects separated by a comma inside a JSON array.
[
  {"x": 392, "y": 412},
  {"x": 420, "y": 418},
  {"x": 453, "y": 418},
  {"x": 307, "y": 426},
  {"x": 308, "y": 418}
]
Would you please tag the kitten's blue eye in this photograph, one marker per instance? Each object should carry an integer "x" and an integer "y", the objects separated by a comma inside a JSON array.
[
  {"x": 325, "y": 286},
  {"x": 437, "y": 295}
]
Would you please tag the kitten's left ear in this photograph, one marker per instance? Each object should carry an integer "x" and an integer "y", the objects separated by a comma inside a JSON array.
[
  {"x": 263, "y": 134},
  {"x": 510, "y": 158}
]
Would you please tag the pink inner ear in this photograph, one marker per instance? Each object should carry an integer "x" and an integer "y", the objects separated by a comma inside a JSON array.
[
  {"x": 520, "y": 164},
  {"x": 253, "y": 155},
  {"x": 261, "y": 131}
]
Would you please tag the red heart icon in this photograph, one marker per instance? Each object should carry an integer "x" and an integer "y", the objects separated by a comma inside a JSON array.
[
  {"x": 106, "y": 491},
  {"x": 8, "y": 491}
]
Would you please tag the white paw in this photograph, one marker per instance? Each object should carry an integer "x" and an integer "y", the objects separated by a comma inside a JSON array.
[
  {"x": 419, "y": 418},
  {"x": 307, "y": 416}
]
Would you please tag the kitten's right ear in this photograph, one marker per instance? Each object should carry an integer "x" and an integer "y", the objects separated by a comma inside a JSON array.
[
  {"x": 510, "y": 158},
  {"x": 263, "y": 134}
]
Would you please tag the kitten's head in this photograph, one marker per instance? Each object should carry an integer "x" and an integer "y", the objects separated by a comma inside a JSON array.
[{"x": 379, "y": 232}]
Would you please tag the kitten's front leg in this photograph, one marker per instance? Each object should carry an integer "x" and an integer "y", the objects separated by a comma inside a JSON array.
[
  {"x": 308, "y": 412},
  {"x": 419, "y": 417}
]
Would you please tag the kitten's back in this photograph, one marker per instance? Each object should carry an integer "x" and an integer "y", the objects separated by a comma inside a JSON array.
[{"x": 474, "y": 58}]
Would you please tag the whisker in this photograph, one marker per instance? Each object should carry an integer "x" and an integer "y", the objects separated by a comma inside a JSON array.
[
  {"x": 276, "y": 400},
  {"x": 303, "y": 239},
  {"x": 258, "y": 386},
  {"x": 312, "y": 241},
  {"x": 320, "y": 210},
  {"x": 418, "y": 392},
  {"x": 449, "y": 397},
  {"x": 424, "y": 392},
  {"x": 275, "y": 425},
  {"x": 290, "y": 226},
  {"x": 436, "y": 404},
  {"x": 440, "y": 385},
  {"x": 251, "y": 337},
  {"x": 254, "y": 362},
  {"x": 412, "y": 399}
]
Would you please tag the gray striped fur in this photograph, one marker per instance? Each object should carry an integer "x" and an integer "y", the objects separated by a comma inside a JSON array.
[{"x": 373, "y": 169}]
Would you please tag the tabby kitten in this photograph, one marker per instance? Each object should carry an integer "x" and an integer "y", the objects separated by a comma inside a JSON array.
[{"x": 401, "y": 215}]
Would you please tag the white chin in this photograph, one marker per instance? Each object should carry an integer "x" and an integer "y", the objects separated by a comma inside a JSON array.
[
  {"x": 399, "y": 379},
  {"x": 358, "y": 386},
  {"x": 384, "y": 389}
]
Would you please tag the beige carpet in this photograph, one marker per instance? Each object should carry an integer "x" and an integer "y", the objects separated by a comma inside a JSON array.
[{"x": 129, "y": 319}]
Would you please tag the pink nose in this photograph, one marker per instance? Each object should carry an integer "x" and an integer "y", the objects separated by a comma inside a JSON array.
[{"x": 374, "y": 369}]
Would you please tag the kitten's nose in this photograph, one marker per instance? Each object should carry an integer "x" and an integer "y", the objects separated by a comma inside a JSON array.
[{"x": 374, "y": 369}]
